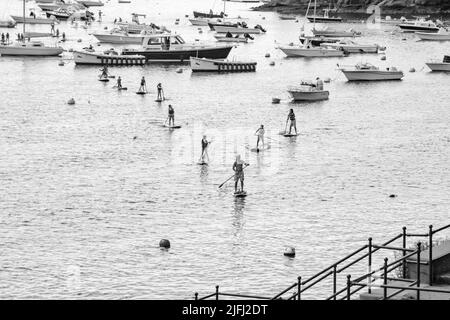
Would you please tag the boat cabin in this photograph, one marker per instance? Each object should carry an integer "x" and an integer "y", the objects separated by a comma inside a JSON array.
[{"x": 162, "y": 41}]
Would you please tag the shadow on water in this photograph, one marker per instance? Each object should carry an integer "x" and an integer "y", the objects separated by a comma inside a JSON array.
[{"x": 238, "y": 216}]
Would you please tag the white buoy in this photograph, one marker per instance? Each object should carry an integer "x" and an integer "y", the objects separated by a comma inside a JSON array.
[
  {"x": 267, "y": 55},
  {"x": 412, "y": 70},
  {"x": 164, "y": 243},
  {"x": 71, "y": 50},
  {"x": 71, "y": 101},
  {"x": 327, "y": 80},
  {"x": 383, "y": 58},
  {"x": 79, "y": 40},
  {"x": 61, "y": 63},
  {"x": 272, "y": 63},
  {"x": 179, "y": 70},
  {"x": 276, "y": 100},
  {"x": 289, "y": 252}
]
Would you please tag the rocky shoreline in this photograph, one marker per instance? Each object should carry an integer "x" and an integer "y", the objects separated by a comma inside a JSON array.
[{"x": 388, "y": 7}]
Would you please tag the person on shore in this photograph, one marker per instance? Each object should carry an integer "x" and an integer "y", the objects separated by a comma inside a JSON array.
[
  {"x": 238, "y": 168},
  {"x": 63, "y": 37},
  {"x": 205, "y": 145},
  {"x": 171, "y": 115},
  {"x": 119, "y": 83},
  {"x": 159, "y": 88},
  {"x": 260, "y": 134},
  {"x": 291, "y": 118},
  {"x": 143, "y": 87}
]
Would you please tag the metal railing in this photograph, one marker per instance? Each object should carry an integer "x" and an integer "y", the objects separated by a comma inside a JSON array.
[{"x": 301, "y": 286}]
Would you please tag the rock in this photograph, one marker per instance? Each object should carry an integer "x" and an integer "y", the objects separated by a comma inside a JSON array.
[
  {"x": 164, "y": 243},
  {"x": 71, "y": 101}
]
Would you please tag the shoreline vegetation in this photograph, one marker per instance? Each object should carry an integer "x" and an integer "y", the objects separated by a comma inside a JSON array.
[{"x": 362, "y": 7}]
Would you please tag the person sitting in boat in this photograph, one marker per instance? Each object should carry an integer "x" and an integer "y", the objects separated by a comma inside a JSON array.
[
  {"x": 291, "y": 118},
  {"x": 244, "y": 24},
  {"x": 171, "y": 115},
  {"x": 229, "y": 35},
  {"x": 260, "y": 134},
  {"x": 238, "y": 168}
]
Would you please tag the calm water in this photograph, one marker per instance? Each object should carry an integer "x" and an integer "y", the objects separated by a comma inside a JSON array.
[{"x": 83, "y": 204}]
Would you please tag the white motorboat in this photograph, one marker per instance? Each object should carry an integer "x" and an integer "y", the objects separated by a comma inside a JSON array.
[
  {"x": 201, "y": 21},
  {"x": 8, "y": 24},
  {"x": 354, "y": 47},
  {"x": 308, "y": 92},
  {"x": 388, "y": 20},
  {"x": 443, "y": 65},
  {"x": 109, "y": 57},
  {"x": 220, "y": 65},
  {"x": 91, "y": 3},
  {"x": 327, "y": 32},
  {"x": 369, "y": 72},
  {"x": 420, "y": 25},
  {"x": 307, "y": 50},
  {"x": 119, "y": 36},
  {"x": 239, "y": 30},
  {"x": 32, "y": 48},
  {"x": 37, "y": 20},
  {"x": 441, "y": 35}
]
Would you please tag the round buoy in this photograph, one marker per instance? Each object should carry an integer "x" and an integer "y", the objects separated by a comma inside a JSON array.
[
  {"x": 186, "y": 15},
  {"x": 392, "y": 196},
  {"x": 135, "y": 137},
  {"x": 179, "y": 70},
  {"x": 176, "y": 22},
  {"x": 383, "y": 58},
  {"x": 267, "y": 55},
  {"x": 71, "y": 101},
  {"x": 412, "y": 70},
  {"x": 61, "y": 63},
  {"x": 327, "y": 80},
  {"x": 200, "y": 31},
  {"x": 289, "y": 252},
  {"x": 164, "y": 243},
  {"x": 264, "y": 18},
  {"x": 79, "y": 40},
  {"x": 272, "y": 63},
  {"x": 276, "y": 100}
]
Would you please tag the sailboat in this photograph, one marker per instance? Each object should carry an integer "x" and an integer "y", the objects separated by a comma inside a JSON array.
[{"x": 30, "y": 48}]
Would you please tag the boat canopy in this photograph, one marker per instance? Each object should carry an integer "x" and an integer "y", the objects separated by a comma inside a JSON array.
[{"x": 162, "y": 38}]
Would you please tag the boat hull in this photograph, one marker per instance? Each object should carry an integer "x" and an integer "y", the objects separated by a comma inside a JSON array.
[
  {"x": 413, "y": 28},
  {"x": 438, "y": 66},
  {"x": 325, "y": 20},
  {"x": 198, "y": 14},
  {"x": 234, "y": 30},
  {"x": 230, "y": 39},
  {"x": 179, "y": 55},
  {"x": 34, "y": 20},
  {"x": 210, "y": 65},
  {"x": 352, "y": 49},
  {"x": 372, "y": 75},
  {"x": 118, "y": 39},
  {"x": 433, "y": 36},
  {"x": 311, "y": 53},
  {"x": 24, "y": 51},
  {"x": 88, "y": 58},
  {"x": 299, "y": 95},
  {"x": 200, "y": 22}
]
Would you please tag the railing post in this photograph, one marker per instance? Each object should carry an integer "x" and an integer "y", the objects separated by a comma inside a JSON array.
[
  {"x": 385, "y": 278},
  {"x": 430, "y": 256},
  {"x": 419, "y": 248},
  {"x": 334, "y": 281},
  {"x": 404, "y": 253},
  {"x": 217, "y": 292},
  {"x": 349, "y": 286},
  {"x": 369, "y": 280},
  {"x": 196, "y": 296},
  {"x": 299, "y": 287}
]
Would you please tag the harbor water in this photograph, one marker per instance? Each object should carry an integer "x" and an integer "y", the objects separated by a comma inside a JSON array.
[{"x": 88, "y": 190}]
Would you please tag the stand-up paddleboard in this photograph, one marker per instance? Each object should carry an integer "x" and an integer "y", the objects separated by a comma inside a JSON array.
[
  {"x": 240, "y": 194},
  {"x": 290, "y": 135},
  {"x": 123, "y": 88},
  {"x": 258, "y": 150},
  {"x": 171, "y": 127},
  {"x": 141, "y": 92},
  {"x": 159, "y": 100},
  {"x": 103, "y": 79},
  {"x": 202, "y": 163}
]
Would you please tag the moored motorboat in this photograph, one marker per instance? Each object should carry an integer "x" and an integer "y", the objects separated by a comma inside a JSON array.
[
  {"x": 369, "y": 72},
  {"x": 307, "y": 91},
  {"x": 198, "y": 14},
  {"x": 60, "y": 14},
  {"x": 354, "y": 47},
  {"x": 220, "y": 65},
  {"x": 233, "y": 38},
  {"x": 109, "y": 57},
  {"x": 317, "y": 41},
  {"x": 307, "y": 50},
  {"x": 120, "y": 36},
  {"x": 8, "y": 24},
  {"x": 31, "y": 48},
  {"x": 420, "y": 25},
  {"x": 441, "y": 35},
  {"x": 443, "y": 65},
  {"x": 169, "y": 47},
  {"x": 326, "y": 32},
  {"x": 31, "y": 20},
  {"x": 239, "y": 30},
  {"x": 91, "y": 3}
]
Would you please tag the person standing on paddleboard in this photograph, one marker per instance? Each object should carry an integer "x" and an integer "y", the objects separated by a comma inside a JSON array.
[
  {"x": 260, "y": 134},
  {"x": 291, "y": 117},
  {"x": 171, "y": 115},
  {"x": 205, "y": 144},
  {"x": 238, "y": 168},
  {"x": 119, "y": 83},
  {"x": 104, "y": 72},
  {"x": 160, "y": 92},
  {"x": 143, "y": 87}
]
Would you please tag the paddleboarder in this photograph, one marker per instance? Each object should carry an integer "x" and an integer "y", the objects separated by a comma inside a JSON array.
[
  {"x": 160, "y": 92},
  {"x": 238, "y": 168},
  {"x": 104, "y": 72},
  {"x": 171, "y": 116},
  {"x": 205, "y": 144},
  {"x": 119, "y": 83},
  {"x": 291, "y": 117},
  {"x": 260, "y": 134},
  {"x": 143, "y": 87}
]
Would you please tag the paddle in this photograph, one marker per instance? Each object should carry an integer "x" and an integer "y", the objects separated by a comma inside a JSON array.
[{"x": 246, "y": 165}]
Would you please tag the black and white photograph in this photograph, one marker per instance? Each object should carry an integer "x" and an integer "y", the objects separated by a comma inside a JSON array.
[{"x": 225, "y": 153}]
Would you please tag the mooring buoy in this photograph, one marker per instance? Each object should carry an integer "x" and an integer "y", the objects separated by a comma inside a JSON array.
[
  {"x": 71, "y": 101},
  {"x": 164, "y": 243},
  {"x": 289, "y": 252}
]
